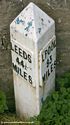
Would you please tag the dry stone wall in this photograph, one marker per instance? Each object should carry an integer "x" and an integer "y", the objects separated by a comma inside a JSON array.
[{"x": 59, "y": 10}]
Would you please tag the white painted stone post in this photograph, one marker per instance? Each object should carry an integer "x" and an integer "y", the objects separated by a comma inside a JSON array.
[{"x": 33, "y": 51}]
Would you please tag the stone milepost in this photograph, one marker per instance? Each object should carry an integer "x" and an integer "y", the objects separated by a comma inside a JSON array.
[{"x": 32, "y": 35}]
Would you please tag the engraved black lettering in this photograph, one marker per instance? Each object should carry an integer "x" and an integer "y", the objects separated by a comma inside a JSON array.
[
  {"x": 49, "y": 50},
  {"x": 29, "y": 59},
  {"x": 14, "y": 67},
  {"x": 30, "y": 79},
  {"x": 48, "y": 62},
  {"x": 21, "y": 72},
  {"x": 45, "y": 54},
  {"x": 22, "y": 63},
  {"x": 17, "y": 60},
  {"x": 46, "y": 75},
  {"x": 50, "y": 59},
  {"x": 25, "y": 75},
  {"x": 51, "y": 67},
  {"x": 24, "y": 55},
  {"x": 20, "y": 52},
  {"x": 42, "y": 57},
  {"x": 55, "y": 64},
  {"x": 48, "y": 72},
  {"x": 16, "y": 49},
  {"x": 43, "y": 78}
]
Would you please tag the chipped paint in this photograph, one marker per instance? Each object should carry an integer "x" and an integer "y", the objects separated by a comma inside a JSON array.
[
  {"x": 39, "y": 29},
  {"x": 18, "y": 21},
  {"x": 49, "y": 21},
  {"x": 42, "y": 19},
  {"x": 25, "y": 34},
  {"x": 32, "y": 22},
  {"x": 29, "y": 25}
]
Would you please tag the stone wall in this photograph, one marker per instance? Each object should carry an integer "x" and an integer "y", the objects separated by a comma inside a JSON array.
[
  {"x": 59, "y": 10},
  {"x": 8, "y": 11}
]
